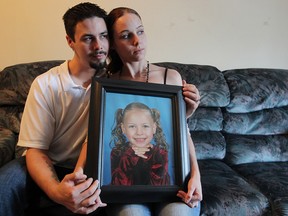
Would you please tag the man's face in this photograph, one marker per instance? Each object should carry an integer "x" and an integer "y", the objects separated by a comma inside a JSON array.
[{"x": 90, "y": 43}]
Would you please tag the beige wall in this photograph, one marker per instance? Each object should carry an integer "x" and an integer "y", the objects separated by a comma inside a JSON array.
[{"x": 224, "y": 33}]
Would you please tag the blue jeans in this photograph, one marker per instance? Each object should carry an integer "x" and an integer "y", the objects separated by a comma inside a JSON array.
[
  {"x": 160, "y": 209},
  {"x": 14, "y": 187},
  {"x": 21, "y": 196}
]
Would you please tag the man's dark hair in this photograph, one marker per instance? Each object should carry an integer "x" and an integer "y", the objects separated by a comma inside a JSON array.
[{"x": 78, "y": 13}]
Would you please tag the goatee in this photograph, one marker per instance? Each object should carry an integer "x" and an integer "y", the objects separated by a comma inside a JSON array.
[{"x": 100, "y": 68}]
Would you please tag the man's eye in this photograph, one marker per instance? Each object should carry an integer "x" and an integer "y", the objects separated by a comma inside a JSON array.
[
  {"x": 87, "y": 39},
  {"x": 104, "y": 36}
]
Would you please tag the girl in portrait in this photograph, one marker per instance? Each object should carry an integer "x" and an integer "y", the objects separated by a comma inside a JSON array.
[{"x": 135, "y": 160}]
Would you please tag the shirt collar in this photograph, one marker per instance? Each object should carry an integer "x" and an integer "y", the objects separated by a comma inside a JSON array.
[{"x": 67, "y": 81}]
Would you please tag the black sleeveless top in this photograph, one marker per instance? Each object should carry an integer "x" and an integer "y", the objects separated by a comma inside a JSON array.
[{"x": 165, "y": 76}]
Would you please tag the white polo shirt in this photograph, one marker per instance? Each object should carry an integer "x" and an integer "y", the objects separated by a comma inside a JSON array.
[{"x": 55, "y": 116}]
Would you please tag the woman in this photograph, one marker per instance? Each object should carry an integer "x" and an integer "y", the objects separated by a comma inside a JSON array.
[{"x": 128, "y": 49}]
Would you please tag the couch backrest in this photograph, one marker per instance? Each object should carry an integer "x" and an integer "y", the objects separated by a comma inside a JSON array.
[
  {"x": 256, "y": 120},
  {"x": 15, "y": 83},
  {"x": 243, "y": 114}
]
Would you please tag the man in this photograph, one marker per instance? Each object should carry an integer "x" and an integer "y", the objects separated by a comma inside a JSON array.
[{"x": 54, "y": 123}]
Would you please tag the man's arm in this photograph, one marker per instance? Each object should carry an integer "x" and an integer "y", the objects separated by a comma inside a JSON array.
[{"x": 75, "y": 191}]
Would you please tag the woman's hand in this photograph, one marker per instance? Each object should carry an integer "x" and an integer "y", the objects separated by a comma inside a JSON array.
[
  {"x": 191, "y": 97},
  {"x": 194, "y": 194}
]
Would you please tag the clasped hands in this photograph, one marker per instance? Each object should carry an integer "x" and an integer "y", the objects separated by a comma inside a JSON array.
[{"x": 79, "y": 194}]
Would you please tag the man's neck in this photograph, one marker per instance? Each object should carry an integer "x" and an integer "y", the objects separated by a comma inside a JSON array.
[{"x": 80, "y": 75}]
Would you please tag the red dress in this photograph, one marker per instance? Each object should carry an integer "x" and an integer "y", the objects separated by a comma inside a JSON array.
[{"x": 130, "y": 169}]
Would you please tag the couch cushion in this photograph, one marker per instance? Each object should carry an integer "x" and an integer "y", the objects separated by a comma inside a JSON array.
[
  {"x": 7, "y": 145},
  {"x": 209, "y": 144},
  {"x": 264, "y": 122},
  {"x": 16, "y": 80},
  {"x": 280, "y": 206},
  {"x": 242, "y": 149},
  {"x": 206, "y": 119},
  {"x": 226, "y": 193},
  {"x": 256, "y": 89},
  {"x": 271, "y": 179},
  {"x": 209, "y": 80}
]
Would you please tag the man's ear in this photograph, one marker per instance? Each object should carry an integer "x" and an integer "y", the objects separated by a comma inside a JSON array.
[{"x": 70, "y": 42}]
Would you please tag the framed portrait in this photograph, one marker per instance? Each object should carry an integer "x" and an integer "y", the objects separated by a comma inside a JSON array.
[{"x": 137, "y": 141}]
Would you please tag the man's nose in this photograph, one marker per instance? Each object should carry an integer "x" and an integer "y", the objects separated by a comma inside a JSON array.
[{"x": 96, "y": 45}]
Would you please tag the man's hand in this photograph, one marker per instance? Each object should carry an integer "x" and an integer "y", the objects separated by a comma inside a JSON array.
[
  {"x": 191, "y": 97},
  {"x": 79, "y": 194}
]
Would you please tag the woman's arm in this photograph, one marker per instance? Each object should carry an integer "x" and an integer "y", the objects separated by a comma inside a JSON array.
[{"x": 194, "y": 193}]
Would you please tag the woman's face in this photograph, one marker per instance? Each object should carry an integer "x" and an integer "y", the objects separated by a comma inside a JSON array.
[
  {"x": 139, "y": 127},
  {"x": 129, "y": 38}
]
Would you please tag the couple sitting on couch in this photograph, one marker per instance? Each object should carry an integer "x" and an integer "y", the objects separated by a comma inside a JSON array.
[{"x": 54, "y": 125}]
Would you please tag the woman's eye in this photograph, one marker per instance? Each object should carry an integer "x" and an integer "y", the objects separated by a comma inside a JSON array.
[{"x": 140, "y": 32}]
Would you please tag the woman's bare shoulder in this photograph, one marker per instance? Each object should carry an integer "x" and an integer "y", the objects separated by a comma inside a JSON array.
[{"x": 173, "y": 77}]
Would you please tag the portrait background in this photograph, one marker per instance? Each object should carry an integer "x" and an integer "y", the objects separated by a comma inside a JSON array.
[{"x": 115, "y": 101}]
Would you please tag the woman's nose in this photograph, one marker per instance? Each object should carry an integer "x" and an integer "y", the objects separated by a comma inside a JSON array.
[{"x": 135, "y": 40}]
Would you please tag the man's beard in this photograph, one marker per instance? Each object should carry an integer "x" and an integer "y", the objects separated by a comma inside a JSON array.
[{"x": 100, "y": 68}]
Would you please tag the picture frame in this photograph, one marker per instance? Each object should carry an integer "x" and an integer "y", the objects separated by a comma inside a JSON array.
[{"x": 108, "y": 95}]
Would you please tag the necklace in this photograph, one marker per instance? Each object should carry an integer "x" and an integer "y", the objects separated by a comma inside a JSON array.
[{"x": 147, "y": 70}]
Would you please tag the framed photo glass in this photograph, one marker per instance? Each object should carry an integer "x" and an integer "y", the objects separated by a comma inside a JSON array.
[{"x": 137, "y": 141}]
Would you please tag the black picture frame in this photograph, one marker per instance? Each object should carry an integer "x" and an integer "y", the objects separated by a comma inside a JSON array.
[{"x": 96, "y": 164}]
